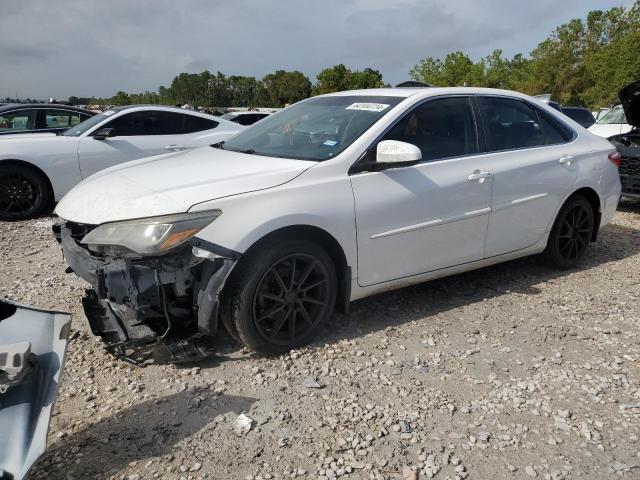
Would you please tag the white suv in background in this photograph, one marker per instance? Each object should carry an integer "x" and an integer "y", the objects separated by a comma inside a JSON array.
[{"x": 330, "y": 200}]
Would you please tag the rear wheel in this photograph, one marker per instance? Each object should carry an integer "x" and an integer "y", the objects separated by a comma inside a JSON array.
[
  {"x": 24, "y": 192},
  {"x": 280, "y": 296},
  {"x": 571, "y": 233}
]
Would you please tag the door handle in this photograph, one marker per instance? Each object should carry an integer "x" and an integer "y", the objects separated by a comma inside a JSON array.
[
  {"x": 565, "y": 160},
  {"x": 174, "y": 147},
  {"x": 478, "y": 176}
]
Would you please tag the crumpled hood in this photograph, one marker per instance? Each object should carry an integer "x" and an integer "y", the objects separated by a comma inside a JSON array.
[
  {"x": 172, "y": 183},
  {"x": 630, "y": 98}
]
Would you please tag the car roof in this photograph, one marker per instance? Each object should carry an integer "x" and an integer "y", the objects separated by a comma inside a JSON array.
[
  {"x": 407, "y": 92},
  {"x": 165, "y": 108},
  {"x": 56, "y": 106}
]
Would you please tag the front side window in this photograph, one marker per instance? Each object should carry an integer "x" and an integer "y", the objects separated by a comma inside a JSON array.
[
  {"x": 146, "y": 122},
  {"x": 17, "y": 121},
  {"x": 614, "y": 116},
  {"x": 440, "y": 128},
  {"x": 315, "y": 129},
  {"x": 88, "y": 124},
  {"x": 61, "y": 119},
  {"x": 510, "y": 123}
]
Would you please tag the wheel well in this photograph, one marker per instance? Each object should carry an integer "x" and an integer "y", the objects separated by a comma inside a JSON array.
[
  {"x": 331, "y": 246},
  {"x": 591, "y": 195},
  {"x": 31, "y": 166}
]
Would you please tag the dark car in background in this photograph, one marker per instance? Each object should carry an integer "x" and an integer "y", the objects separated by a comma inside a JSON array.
[
  {"x": 40, "y": 118},
  {"x": 628, "y": 144},
  {"x": 581, "y": 115},
  {"x": 246, "y": 118}
]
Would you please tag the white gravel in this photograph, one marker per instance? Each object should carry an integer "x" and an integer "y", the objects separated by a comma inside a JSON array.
[{"x": 514, "y": 371}]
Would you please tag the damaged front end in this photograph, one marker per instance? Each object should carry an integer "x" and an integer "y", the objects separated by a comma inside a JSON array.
[{"x": 150, "y": 307}]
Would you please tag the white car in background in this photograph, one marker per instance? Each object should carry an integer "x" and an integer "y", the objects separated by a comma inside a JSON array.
[
  {"x": 36, "y": 169},
  {"x": 614, "y": 122},
  {"x": 330, "y": 200}
]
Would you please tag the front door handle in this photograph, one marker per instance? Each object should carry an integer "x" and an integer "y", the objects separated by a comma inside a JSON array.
[
  {"x": 478, "y": 176},
  {"x": 565, "y": 160},
  {"x": 175, "y": 148}
]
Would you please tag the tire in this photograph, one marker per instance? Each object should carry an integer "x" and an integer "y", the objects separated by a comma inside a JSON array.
[
  {"x": 24, "y": 192},
  {"x": 273, "y": 312},
  {"x": 571, "y": 234}
]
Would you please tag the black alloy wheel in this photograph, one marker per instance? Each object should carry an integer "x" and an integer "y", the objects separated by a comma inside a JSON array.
[
  {"x": 23, "y": 193},
  {"x": 279, "y": 295},
  {"x": 292, "y": 297},
  {"x": 571, "y": 233}
]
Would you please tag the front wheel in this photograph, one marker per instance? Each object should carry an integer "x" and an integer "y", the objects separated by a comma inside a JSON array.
[
  {"x": 571, "y": 233},
  {"x": 24, "y": 193},
  {"x": 280, "y": 295}
]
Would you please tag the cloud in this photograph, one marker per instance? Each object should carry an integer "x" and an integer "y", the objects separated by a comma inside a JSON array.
[{"x": 96, "y": 48}]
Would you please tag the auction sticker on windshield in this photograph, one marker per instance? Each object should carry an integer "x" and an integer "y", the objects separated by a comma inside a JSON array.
[{"x": 369, "y": 107}]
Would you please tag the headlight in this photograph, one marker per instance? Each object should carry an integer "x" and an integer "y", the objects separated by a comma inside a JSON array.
[{"x": 153, "y": 235}]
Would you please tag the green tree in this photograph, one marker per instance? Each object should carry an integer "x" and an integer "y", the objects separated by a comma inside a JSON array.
[{"x": 339, "y": 78}]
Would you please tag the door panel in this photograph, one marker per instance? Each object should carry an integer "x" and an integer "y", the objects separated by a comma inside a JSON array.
[
  {"x": 433, "y": 215},
  {"x": 95, "y": 155},
  {"x": 138, "y": 134},
  {"x": 417, "y": 219},
  {"x": 528, "y": 186},
  {"x": 534, "y": 166}
]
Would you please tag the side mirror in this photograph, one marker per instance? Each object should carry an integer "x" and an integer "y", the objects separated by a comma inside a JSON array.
[
  {"x": 104, "y": 133},
  {"x": 397, "y": 153}
]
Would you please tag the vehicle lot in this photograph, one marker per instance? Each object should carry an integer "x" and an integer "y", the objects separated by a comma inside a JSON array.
[{"x": 514, "y": 371}]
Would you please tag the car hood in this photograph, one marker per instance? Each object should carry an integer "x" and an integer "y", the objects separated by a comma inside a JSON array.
[
  {"x": 630, "y": 98},
  {"x": 33, "y": 343},
  {"x": 173, "y": 183}
]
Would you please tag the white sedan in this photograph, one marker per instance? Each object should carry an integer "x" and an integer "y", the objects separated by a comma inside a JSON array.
[
  {"x": 330, "y": 200},
  {"x": 36, "y": 169}
]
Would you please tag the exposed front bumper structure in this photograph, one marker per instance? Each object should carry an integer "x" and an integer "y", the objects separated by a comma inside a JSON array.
[{"x": 151, "y": 308}]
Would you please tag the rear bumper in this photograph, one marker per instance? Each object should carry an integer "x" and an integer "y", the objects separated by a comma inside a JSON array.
[{"x": 142, "y": 305}]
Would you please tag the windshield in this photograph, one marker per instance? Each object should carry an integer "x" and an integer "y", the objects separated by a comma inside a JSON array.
[
  {"x": 229, "y": 116},
  {"x": 87, "y": 124},
  {"x": 314, "y": 129},
  {"x": 614, "y": 116}
]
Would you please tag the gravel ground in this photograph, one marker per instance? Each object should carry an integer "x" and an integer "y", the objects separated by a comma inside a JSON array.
[{"x": 514, "y": 371}]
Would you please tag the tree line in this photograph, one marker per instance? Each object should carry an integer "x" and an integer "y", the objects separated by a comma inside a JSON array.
[{"x": 583, "y": 62}]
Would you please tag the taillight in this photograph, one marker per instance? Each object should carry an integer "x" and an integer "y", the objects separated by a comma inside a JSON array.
[{"x": 615, "y": 158}]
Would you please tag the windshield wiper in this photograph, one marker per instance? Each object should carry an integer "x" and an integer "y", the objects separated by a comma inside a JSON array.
[{"x": 218, "y": 145}]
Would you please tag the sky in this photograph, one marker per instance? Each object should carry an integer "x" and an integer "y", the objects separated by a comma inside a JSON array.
[{"x": 95, "y": 48}]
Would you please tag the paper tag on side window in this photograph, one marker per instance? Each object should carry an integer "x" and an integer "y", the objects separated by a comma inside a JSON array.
[{"x": 369, "y": 107}]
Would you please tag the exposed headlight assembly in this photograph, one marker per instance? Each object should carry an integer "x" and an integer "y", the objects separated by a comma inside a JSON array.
[{"x": 150, "y": 236}]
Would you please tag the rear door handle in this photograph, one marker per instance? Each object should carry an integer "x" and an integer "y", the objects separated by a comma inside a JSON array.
[
  {"x": 478, "y": 176},
  {"x": 565, "y": 160},
  {"x": 174, "y": 147}
]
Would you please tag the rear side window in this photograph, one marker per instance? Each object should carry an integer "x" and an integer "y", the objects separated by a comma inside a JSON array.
[
  {"x": 147, "y": 122},
  {"x": 552, "y": 131},
  {"x": 510, "y": 123},
  {"x": 440, "y": 128},
  {"x": 198, "y": 124},
  {"x": 17, "y": 121},
  {"x": 61, "y": 119},
  {"x": 247, "y": 119}
]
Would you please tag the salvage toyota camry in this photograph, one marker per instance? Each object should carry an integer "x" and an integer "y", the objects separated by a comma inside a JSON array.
[{"x": 328, "y": 201}]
